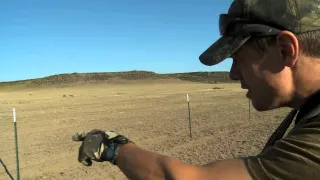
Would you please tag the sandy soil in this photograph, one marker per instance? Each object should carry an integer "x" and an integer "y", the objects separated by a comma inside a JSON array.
[{"x": 154, "y": 115}]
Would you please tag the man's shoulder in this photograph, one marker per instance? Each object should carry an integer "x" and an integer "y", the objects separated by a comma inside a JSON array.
[
  {"x": 295, "y": 156},
  {"x": 303, "y": 139}
]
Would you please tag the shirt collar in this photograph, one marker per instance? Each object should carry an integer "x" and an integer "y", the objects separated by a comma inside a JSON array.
[{"x": 311, "y": 103}]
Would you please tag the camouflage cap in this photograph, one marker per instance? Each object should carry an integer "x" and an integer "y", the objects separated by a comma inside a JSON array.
[{"x": 249, "y": 18}]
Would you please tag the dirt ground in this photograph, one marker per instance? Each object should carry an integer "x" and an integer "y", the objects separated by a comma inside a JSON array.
[{"x": 153, "y": 114}]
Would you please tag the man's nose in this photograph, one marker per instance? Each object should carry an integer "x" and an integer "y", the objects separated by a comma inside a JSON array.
[{"x": 234, "y": 72}]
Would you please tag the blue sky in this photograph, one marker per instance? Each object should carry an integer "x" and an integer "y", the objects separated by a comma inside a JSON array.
[{"x": 41, "y": 37}]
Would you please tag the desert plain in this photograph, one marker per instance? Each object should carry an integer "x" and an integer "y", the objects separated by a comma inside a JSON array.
[{"x": 152, "y": 113}]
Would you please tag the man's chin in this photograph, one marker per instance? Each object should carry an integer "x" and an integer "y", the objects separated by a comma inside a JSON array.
[
  {"x": 260, "y": 108},
  {"x": 257, "y": 105}
]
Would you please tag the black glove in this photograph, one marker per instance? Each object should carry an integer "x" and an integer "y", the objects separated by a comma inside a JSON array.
[{"x": 99, "y": 146}]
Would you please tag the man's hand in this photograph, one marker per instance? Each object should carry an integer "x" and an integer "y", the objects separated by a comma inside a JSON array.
[{"x": 98, "y": 145}]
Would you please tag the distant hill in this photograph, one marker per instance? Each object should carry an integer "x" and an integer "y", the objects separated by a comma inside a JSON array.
[{"x": 80, "y": 78}]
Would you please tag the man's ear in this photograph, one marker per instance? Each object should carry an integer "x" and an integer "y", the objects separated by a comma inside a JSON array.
[{"x": 289, "y": 48}]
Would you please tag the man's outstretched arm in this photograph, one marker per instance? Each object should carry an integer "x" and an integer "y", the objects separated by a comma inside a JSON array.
[{"x": 139, "y": 164}]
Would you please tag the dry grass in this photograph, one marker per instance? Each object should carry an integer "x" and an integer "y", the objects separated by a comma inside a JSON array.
[{"x": 153, "y": 114}]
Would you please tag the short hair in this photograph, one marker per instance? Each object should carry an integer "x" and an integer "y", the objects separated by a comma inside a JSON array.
[{"x": 309, "y": 43}]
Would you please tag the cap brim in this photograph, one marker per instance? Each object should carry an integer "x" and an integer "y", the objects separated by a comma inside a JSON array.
[{"x": 222, "y": 49}]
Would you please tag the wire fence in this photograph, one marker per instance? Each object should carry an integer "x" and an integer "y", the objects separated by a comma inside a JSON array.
[{"x": 5, "y": 168}]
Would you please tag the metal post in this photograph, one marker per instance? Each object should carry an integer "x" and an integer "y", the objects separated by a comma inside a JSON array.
[
  {"x": 189, "y": 116},
  {"x": 16, "y": 142},
  {"x": 249, "y": 110}
]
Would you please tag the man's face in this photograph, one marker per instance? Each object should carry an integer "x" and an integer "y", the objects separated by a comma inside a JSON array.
[{"x": 268, "y": 80}]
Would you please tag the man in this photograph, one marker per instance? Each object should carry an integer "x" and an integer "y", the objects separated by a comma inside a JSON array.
[{"x": 275, "y": 46}]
